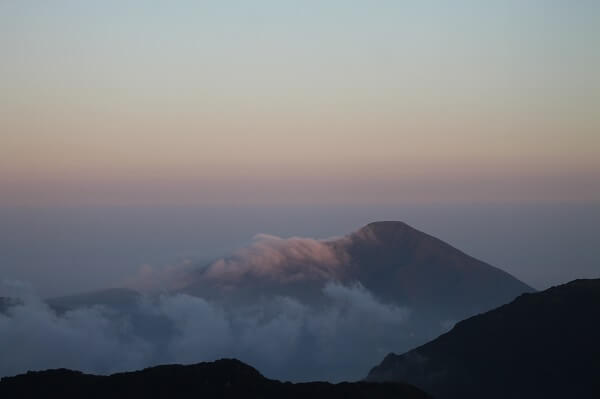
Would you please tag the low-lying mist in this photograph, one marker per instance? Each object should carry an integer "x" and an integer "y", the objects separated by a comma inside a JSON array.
[{"x": 281, "y": 336}]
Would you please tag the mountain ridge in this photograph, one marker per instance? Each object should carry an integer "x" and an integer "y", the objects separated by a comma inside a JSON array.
[
  {"x": 225, "y": 378},
  {"x": 541, "y": 344}
]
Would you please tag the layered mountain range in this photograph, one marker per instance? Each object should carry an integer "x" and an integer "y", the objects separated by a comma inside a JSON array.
[
  {"x": 303, "y": 309},
  {"x": 541, "y": 345},
  {"x": 297, "y": 308}
]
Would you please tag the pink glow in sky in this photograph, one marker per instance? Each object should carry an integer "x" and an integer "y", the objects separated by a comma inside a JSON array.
[{"x": 285, "y": 102}]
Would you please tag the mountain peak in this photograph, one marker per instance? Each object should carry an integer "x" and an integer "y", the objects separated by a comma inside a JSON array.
[
  {"x": 398, "y": 261},
  {"x": 387, "y": 225},
  {"x": 390, "y": 232},
  {"x": 385, "y": 231}
]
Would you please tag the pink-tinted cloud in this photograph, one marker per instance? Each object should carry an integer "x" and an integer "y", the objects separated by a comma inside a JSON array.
[{"x": 284, "y": 260}]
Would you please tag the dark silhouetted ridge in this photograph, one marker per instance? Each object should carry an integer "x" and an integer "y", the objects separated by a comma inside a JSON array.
[
  {"x": 226, "y": 378},
  {"x": 540, "y": 345}
]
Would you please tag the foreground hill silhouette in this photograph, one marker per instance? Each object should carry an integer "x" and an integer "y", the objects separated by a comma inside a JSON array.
[
  {"x": 542, "y": 345},
  {"x": 225, "y": 378}
]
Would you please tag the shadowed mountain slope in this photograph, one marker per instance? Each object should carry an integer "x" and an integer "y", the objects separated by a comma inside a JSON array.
[
  {"x": 540, "y": 345},
  {"x": 219, "y": 379},
  {"x": 402, "y": 264}
]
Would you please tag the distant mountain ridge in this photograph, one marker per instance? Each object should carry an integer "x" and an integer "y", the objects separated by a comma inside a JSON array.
[
  {"x": 226, "y": 378},
  {"x": 540, "y": 345}
]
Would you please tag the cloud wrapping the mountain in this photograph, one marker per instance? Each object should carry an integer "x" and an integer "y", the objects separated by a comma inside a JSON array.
[
  {"x": 282, "y": 337},
  {"x": 270, "y": 258},
  {"x": 280, "y": 259}
]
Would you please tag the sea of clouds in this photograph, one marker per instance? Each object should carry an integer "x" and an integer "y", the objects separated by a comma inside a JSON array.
[{"x": 339, "y": 337}]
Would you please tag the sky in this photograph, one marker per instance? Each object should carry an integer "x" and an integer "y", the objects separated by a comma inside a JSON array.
[
  {"x": 144, "y": 132},
  {"x": 144, "y": 137},
  {"x": 298, "y": 102}
]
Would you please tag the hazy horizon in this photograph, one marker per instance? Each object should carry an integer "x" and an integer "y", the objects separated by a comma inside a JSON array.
[{"x": 71, "y": 250}]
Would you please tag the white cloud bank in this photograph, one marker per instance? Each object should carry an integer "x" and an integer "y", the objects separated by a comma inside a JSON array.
[{"x": 281, "y": 336}]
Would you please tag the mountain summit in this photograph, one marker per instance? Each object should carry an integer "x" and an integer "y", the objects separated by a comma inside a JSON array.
[
  {"x": 402, "y": 264},
  {"x": 383, "y": 230}
]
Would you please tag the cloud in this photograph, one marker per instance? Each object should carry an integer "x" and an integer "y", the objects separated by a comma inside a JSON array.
[
  {"x": 359, "y": 300},
  {"x": 282, "y": 336},
  {"x": 298, "y": 316},
  {"x": 269, "y": 259},
  {"x": 202, "y": 330},
  {"x": 32, "y": 336},
  {"x": 281, "y": 259}
]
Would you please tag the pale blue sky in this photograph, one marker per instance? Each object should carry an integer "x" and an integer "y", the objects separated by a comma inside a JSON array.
[{"x": 142, "y": 100}]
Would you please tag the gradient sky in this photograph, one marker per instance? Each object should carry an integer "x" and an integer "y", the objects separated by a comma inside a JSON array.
[{"x": 308, "y": 102}]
